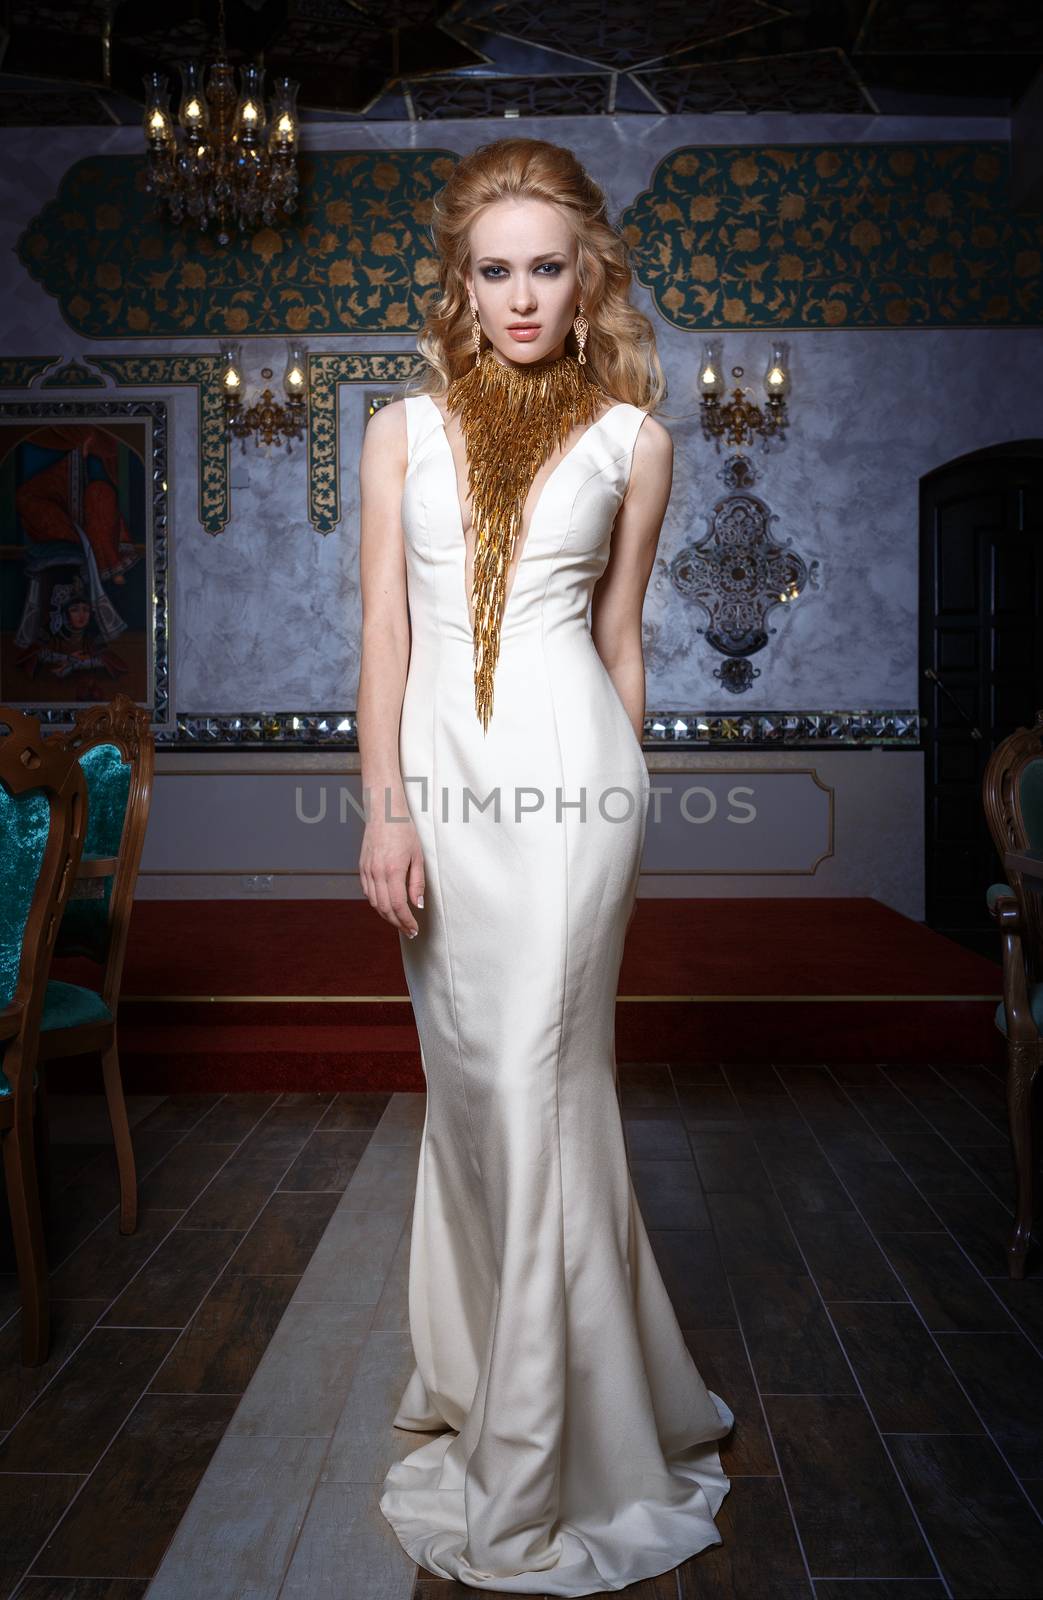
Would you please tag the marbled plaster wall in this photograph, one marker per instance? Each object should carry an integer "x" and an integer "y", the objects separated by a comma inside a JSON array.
[{"x": 265, "y": 615}]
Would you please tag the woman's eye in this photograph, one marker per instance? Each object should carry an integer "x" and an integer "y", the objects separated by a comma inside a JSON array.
[{"x": 550, "y": 269}]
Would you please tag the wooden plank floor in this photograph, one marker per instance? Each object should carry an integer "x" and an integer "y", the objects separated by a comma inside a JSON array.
[
  {"x": 156, "y": 1335},
  {"x": 217, "y": 1411}
]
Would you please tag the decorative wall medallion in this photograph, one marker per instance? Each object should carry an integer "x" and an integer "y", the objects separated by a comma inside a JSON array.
[
  {"x": 738, "y": 472},
  {"x": 356, "y": 257},
  {"x": 326, "y": 373},
  {"x": 838, "y": 236},
  {"x": 203, "y": 374},
  {"x": 737, "y": 674},
  {"x": 739, "y": 573},
  {"x": 83, "y": 499}
]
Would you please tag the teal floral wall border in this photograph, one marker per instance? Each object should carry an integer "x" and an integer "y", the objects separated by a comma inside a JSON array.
[
  {"x": 73, "y": 375},
  {"x": 203, "y": 373},
  {"x": 837, "y": 236},
  {"x": 355, "y": 258},
  {"x": 18, "y": 372},
  {"x": 326, "y": 373}
]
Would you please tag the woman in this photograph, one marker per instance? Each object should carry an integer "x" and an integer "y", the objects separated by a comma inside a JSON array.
[{"x": 574, "y": 1448}]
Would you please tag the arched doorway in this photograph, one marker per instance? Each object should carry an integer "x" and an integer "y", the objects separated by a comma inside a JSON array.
[{"x": 981, "y": 662}]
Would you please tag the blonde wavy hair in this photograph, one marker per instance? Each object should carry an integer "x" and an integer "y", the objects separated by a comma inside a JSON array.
[{"x": 621, "y": 346}]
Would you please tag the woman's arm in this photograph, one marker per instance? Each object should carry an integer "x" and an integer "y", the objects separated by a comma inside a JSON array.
[
  {"x": 391, "y": 864},
  {"x": 619, "y": 594}
]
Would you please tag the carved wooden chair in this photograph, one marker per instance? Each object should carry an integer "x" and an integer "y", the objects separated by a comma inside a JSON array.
[
  {"x": 1012, "y": 792},
  {"x": 115, "y": 747},
  {"x": 43, "y": 819}
]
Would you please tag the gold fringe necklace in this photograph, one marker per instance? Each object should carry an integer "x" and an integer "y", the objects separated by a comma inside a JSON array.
[{"x": 512, "y": 418}]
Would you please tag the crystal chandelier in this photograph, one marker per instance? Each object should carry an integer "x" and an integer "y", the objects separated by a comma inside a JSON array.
[{"x": 227, "y": 161}]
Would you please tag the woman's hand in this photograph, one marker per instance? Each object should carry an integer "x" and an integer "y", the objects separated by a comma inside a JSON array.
[{"x": 391, "y": 870}]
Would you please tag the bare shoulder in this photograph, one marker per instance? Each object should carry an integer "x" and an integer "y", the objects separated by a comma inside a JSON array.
[
  {"x": 385, "y": 443},
  {"x": 388, "y": 422},
  {"x": 654, "y": 442},
  {"x": 653, "y": 461}
]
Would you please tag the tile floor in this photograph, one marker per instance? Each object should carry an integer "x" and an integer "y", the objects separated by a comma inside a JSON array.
[{"x": 833, "y": 1242}]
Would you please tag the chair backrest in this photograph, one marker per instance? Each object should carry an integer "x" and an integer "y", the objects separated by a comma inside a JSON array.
[
  {"x": 43, "y": 821},
  {"x": 115, "y": 747},
  {"x": 1012, "y": 793}
]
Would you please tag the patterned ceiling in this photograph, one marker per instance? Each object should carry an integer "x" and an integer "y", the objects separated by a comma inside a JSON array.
[{"x": 420, "y": 60}]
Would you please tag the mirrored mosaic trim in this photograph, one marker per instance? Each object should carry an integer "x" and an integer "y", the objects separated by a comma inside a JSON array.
[
  {"x": 204, "y": 373},
  {"x": 156, "y": 411},
  {"x": 801, "y": 728},
  {"x": 337, "y": 730},
  {"x": 326, "y": 372}
]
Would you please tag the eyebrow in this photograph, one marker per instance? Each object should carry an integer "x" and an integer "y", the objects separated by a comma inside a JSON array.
[{"x": 498, "y": 261}]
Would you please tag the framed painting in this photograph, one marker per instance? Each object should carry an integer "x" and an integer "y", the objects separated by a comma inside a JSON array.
[{"x": 83, "y": 555}]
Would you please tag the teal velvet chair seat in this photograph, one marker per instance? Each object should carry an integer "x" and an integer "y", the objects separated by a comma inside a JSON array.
[
  {"x": 69, "y": 1005},
  {"x": 65, "y": 1005}
]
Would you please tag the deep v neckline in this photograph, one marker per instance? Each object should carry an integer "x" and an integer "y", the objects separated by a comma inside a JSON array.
[{"x": 570, "y": 452}]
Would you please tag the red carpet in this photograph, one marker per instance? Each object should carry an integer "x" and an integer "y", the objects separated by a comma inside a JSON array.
[{"x": 309, "y": 994}]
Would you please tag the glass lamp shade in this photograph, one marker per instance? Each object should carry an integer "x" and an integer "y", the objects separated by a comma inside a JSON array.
[
  {"x": 282, "y": 132},
  {"x": 231, "y": 374},
  {"x": 193, "y": 113},
  {"x": 159, "y": 127},
  {"x": 711, "y": 379},
  {"x": 250, "y": 120},
  {"x": 776, "y": 377},
  {"x": 295, "y": 380}
]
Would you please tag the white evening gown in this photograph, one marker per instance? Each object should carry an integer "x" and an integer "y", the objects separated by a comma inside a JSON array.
[{"x": 574, "y": 1447}]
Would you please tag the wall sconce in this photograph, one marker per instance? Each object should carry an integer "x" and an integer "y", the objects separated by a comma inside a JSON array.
[
  {"x": 740, "y": 419},
  {"x": 269, "y": 420}
]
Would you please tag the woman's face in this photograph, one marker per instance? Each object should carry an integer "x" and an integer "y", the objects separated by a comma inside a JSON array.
[
  {"x": 79, "y": 614},
  {"x": 523, "y": 279}
]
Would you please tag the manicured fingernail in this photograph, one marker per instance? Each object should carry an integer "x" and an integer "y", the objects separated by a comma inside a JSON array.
[{"x": 420, "y": 901}]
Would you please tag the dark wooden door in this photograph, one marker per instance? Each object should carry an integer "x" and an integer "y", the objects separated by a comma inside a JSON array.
[{"x": 981, "y": 662}]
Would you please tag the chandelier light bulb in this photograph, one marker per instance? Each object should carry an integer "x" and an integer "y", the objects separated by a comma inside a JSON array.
[
  {"x": 294, "y": 377},
  {"x": 776, "y": 379},
  {"x": 710, "y": 380}
]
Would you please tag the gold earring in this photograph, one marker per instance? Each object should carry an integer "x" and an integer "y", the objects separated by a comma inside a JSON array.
[
  {"x": 476, "y": 335},
  {"x": 581, "y": 327}
]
